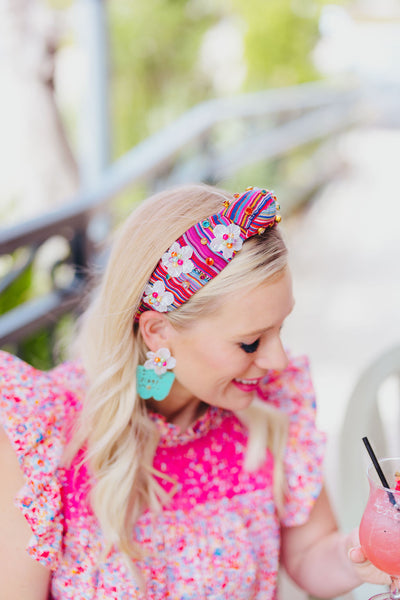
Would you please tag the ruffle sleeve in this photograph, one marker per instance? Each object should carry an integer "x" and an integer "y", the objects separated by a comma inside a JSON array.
[
  {"x": 35, "y": 412},
  {"x": 292, "y": 391}
]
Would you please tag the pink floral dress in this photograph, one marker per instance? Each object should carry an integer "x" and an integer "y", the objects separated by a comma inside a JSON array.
[{"x": 217, "y": 539}]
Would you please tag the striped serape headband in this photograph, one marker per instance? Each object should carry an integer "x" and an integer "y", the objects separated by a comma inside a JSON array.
[{"x": 206, "y": 248}]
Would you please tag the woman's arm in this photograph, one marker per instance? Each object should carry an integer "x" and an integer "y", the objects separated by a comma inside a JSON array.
[
  {"x": 315, "y": 555},
  {"x": 21, "y": 577}
]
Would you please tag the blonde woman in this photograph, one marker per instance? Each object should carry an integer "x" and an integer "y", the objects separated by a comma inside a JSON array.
[{"x": 177, "y": 456}]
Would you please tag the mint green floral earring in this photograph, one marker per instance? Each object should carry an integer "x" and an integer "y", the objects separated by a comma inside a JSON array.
[{"x": 153, "y": 380}]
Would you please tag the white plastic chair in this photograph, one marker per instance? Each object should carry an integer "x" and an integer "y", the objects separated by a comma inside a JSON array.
[{"x": 363, "y": 418}]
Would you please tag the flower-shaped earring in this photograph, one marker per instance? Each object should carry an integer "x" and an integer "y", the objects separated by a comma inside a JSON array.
[{"x": 153, "y": 380}]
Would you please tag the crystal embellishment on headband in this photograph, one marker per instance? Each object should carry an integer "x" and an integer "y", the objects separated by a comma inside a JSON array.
[{"x": 200, "y": 253}]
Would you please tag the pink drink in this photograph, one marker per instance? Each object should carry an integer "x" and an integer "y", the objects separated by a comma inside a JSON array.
[{"x": 380, "y": 531}]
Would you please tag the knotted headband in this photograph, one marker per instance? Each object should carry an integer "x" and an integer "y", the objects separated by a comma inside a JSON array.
[{"x": 206, "y": 248}]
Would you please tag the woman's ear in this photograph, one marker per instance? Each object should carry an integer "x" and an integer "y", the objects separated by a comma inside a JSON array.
[{"x": 155, "y": 329}]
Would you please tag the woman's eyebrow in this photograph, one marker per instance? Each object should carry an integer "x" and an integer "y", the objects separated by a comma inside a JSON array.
[
  {"x": 251, "y": 333},
  {"x": 267, "y": 328}
]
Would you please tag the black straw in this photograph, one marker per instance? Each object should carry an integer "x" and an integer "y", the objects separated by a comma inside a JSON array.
[{"x": 379, "y": 470}]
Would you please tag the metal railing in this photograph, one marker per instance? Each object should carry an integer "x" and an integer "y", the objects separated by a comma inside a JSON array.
[{"x": 209, "y": 143}]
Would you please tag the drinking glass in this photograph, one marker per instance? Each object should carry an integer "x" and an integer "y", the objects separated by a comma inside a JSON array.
[{"x": 380, "y": 525}]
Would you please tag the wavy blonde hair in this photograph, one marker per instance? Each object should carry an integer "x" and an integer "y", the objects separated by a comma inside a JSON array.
[{"x": 114, "y": 426}]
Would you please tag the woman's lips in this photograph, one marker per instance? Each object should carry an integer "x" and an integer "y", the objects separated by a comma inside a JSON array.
[{"x": 246, "y": 385}]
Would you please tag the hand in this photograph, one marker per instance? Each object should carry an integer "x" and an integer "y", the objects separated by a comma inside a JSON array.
[{"x": 364, "y": 568}]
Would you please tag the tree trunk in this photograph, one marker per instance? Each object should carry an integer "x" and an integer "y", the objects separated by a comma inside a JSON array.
[{"x": 38, "y": 167}]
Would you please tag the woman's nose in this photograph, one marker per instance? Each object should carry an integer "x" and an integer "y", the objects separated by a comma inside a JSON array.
[{"x": 272, "y": 355}]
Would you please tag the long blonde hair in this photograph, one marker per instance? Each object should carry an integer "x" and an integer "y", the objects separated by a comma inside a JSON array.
[{"x": 114, "y": 426}]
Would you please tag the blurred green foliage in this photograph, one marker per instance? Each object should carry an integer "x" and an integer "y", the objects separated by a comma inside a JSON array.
[
  {"x": 156, "y": 47},
  {"x": 36, "y": 348},
  {"x": 19, "y": 291},
  {"x": 45, "y": 347},
  {"x": 279, "y": 38},
  {"x": 168, "y": 55}
]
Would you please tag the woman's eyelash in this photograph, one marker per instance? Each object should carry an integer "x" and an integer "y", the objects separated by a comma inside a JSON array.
[{"x": 249, "y": 348}]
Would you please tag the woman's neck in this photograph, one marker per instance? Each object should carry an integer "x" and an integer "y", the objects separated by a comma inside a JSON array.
[{"x": 183, "y": 413}]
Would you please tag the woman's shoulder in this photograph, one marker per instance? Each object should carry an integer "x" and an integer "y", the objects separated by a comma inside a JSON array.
[
  {"x": 26, "y": 392},
  {"x": 38, "y": 409},
  {"x": 37, "y": 412},
  {"x": 292, "y": 392},
  {"x": 290, "y": 389},
  {"x": 70, "y": 375}
]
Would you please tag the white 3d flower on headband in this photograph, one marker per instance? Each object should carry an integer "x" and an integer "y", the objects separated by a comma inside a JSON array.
[
  {"x": 177, "y": 260},
  {"x": 227, "y": 240},
  {"x": 157, "y": 297},
  {"x": 160, "y": 361}
]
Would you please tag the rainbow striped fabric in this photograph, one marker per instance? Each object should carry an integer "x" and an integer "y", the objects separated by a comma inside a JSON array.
[{"x": 206, "y": 248}]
